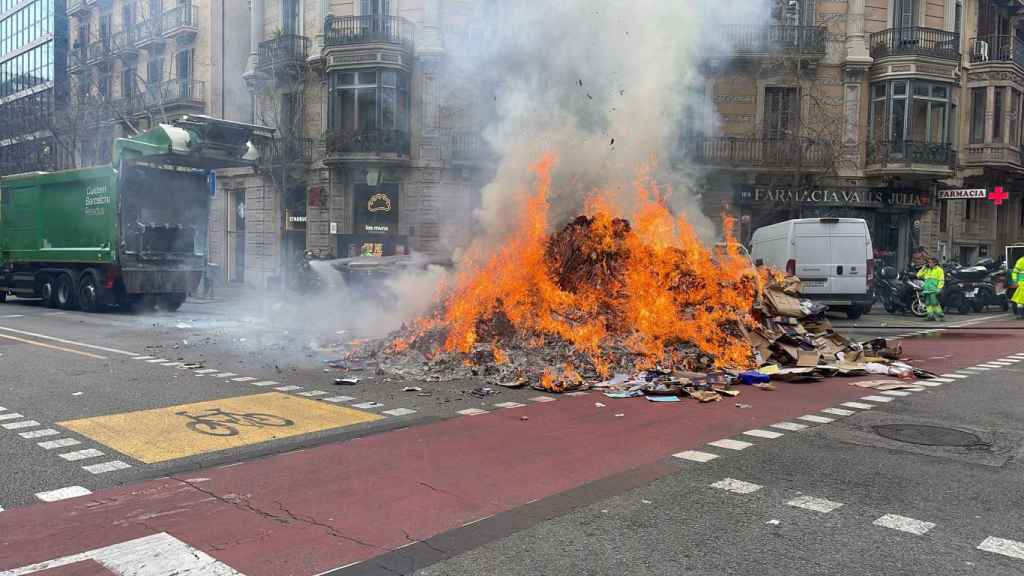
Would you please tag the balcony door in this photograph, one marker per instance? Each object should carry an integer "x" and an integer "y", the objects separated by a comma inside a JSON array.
[
  {"x": 291, "y": 17},
  {"x": 781, "y": 124},
  {"x": 376, "y": 8}
]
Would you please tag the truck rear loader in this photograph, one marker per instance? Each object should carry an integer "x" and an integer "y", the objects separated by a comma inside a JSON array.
[{"x": 132, "y": 233}]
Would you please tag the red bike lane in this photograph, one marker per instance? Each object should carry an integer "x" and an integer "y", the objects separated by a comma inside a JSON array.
[{"x": 313, "y": 510}]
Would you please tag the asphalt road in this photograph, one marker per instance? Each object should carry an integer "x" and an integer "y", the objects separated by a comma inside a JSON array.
[
  {"x": 946, "y": 501},
  {"x": 96, "y": 401}
]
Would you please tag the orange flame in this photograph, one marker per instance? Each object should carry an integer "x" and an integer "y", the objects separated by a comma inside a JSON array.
[{"x": 658, "y": 288}]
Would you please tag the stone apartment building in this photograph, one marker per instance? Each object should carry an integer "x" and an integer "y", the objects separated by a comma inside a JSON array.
[
  {"x": 367, "y": 156},
  {"x": 876, "y": 109}
]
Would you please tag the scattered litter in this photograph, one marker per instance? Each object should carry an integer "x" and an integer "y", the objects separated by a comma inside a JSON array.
[
  {"x": 516, "y": 384},
  {"x": 743, "y": 406},
  {"x": 769, "y": 387},
  {"x": 76, "y": 393},
  {"x": 346, "y": 381},
  {"x": 774, "y": 522},
  {"x": 598, "y": 405},
  {"x": 412, "y": 389},
  {"x": 524, "y": 418},
  {"x": 624, "y": 394},
  {"x": 619, "y": 415},
  {"x": 182, "y": 325},
  {"x": 483, "y": 392},
  {"x": 664, "y": 399}
]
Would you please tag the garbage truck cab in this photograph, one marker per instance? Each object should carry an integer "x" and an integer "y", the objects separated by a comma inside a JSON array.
[{"x": 132, "y": 233}]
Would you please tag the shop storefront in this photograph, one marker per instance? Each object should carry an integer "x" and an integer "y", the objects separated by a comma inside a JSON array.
[
  {"x": 374, "y": 223},
  {"x": 893, "y": 215}
]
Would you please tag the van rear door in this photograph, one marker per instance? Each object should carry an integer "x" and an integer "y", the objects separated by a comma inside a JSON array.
[
  {"x": 849, "y": 256},
  {"x": 813, "y": 253}
]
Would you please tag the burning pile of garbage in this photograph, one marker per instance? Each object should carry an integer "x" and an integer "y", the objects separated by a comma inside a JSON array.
[{"x": 638, "y": 306}]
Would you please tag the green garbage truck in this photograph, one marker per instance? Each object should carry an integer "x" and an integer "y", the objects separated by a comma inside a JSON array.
[{"x": 131, "y": 234}]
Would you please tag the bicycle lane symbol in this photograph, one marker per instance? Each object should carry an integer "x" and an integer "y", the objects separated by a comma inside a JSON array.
[{"x": 220, "y": 422}]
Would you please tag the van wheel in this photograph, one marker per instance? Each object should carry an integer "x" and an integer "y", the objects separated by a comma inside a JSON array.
[
  {"x": 3, "y": 297},
  {"x": 67, "y": 293},
  {"x": 854, "y": 312}
]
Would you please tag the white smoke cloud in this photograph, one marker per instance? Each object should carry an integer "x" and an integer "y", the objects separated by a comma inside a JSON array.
[{"x": 604, "y": 85}]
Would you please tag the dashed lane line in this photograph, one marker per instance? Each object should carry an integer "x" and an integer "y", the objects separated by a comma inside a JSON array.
[
  {"x": 737, "y": 486},
  {"x": 39, "y": 433},
  {"x": 70, "y": 342},
  {"x": 63, "y": 493},
  {"x": 904, "y": 524},
  {"x": 338, "y": 399},
  {"x": 1004, "y": 547},
  {"x": 955, "y": 376},
  {"x": 691, "y": 455},
  {"x": 399, "y": 412},
  {"x": 157, "y": 360},
  {"x": 58, "y": 443},
  {"x": 509, "y": 405},
  {"x": 472, "y": 412},
  {"x": 730, "y": 444},
  {"x": 815, "y": 504},
  {"x": 816, "y": 419},
  {"x": 857, "y": 405},
  {"x": 20, "y": 425},
  {"x": 105, "y": 467},
  {"x": 896, "y": 393},
  {"x": 81, "y": 454},
  {"x": 838, "y": 411},
  {"x": 768, "y": 434},
  {"x": 790, "y": 426},
  {"x": 881, "y": 399},
  {"x": 11, "y": 416}
]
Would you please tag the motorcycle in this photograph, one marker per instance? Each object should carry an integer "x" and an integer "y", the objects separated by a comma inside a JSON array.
[
  {"x": 954, "y": 296},
  {"x": 900, "y": 293},
  {"x": 988, "y": 285}
]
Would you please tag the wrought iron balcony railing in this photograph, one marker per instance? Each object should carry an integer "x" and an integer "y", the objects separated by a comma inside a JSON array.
[
  {"x": 99, "y": 50},
  {"x": 286, "y": 151},
  {"x": 808, "y": 40},
  {"x": 761, "y": 152},
  {"x": 176, "y": 91},
  {"x": 996, "y": 48},
  {"x": 180, "y": 19},
  {"x": 286, "y": 49},
  {"x": 369, "y": 141},
  {"x": 910, "y": 152},
  {"x": 346, "y": 30},
  {"x": 916, "y": 41},
  {"x": 469, "y": 147},
  {"x": 148, "y": 32}
]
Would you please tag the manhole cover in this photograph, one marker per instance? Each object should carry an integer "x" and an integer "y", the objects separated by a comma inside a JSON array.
[{"x": 924, "y": 435}]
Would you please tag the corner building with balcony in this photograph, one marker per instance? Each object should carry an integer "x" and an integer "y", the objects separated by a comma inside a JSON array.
[
  {"x": 369, "y": 155},
  {"x": 864, "y": 109}
]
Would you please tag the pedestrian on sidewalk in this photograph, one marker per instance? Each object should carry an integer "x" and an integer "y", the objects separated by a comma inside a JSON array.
[
  {"x": 934, "y": 280},
  {"x": 1016, "y": 281}
]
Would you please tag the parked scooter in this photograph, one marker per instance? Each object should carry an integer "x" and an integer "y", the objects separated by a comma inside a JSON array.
[
  {"x": 988, "y": 285},
  {"x": 954, "y": 294},
  {"x": 900, "y": 293}
]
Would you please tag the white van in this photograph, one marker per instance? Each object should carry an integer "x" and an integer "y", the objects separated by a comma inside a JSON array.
[{"x": 833, "y": 258}]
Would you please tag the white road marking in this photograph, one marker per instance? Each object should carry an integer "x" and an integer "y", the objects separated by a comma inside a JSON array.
[
  {"x": 695, "y": 456},
  {"x": 173, "y": 364},
  {"x": 838, "y": 411},
  {"x": 881, "y": 399},
  {"x": 542, "y": 399},
  {"x": 998, "y": 364},
  {"x": 142, "y": 357},
  {"x": 791, "y": 426},
  {"x": 81, "y": 454},
  {"x": 815, "y": 504},
  {"x": 955, "y": 376},
  {"x": 225, "y": 375},
  {"x": 2, "y": 408},
  {"x": 288, "y": 388},
  {"x": 39, "y": 433},
  {"x": 896, "y": 393},
  {"x": 904, "y": 524},
  {"x": 206, "y": 371},
  {"x": 72, "y": 342},
  {"x": 816, "y": 419},
  {"x": 737, "y": 486},
  {"x": 338, "y": 399},
  {"x": 758, "y": 433},
  {"x": 1010, "y": 548},
  {"x": 20, "y": 425},
  {"x": 990, "y": 365},
  {"x": 943, "y": 380},
  {"x": 244, "y": 379},
  {"x": 13, "y": 316},
  {"x": 472, "y": 412},
  {"x": 154, "y": 555},
  {"x": 157, "y": 360},
  {"x": 58, "y": 443},
  {"x": 509, "y": 405},
  {"x": 399, "y": 412},
  {"x": 934, "y": 383},
  {"x": 367, "y": 405},
  {"x": 975, "y": 369},
  {"x": 857, "y": 405},
  {"x": 312, "y": 393},
  {"x": 264, "y": 383},
  {"x": 730, "y": 444},
  {"x": 106, "y": 467},
  {"x": 11, "y": 416},
  {"x": 578, "y": 393},
  {"x": 61, "y": 494}
]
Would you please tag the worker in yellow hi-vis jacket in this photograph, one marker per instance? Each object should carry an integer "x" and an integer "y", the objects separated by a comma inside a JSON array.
[
  {"x": 1017, "y": 281},
  {"x": 934, "y": 280}
]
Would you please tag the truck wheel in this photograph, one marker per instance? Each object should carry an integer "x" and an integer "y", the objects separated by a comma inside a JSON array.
[
  {"x": 67, "y": 294},
  {"x": 171, "y": 302},
  {"x": 46, "y": 290},
  {"x": 89, "y": 292}
]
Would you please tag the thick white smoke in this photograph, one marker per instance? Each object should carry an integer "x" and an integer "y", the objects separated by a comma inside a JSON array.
[{"x": 607, "y": 86}]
